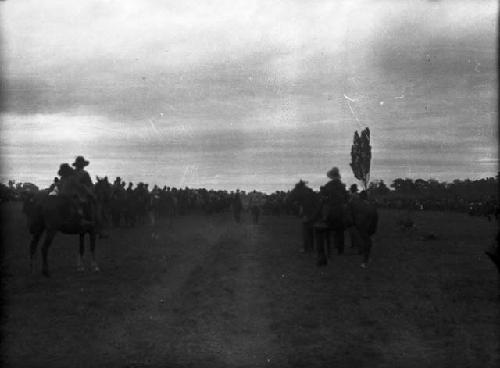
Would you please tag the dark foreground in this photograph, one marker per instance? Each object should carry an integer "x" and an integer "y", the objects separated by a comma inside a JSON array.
[{"x": 209, "y": 293}]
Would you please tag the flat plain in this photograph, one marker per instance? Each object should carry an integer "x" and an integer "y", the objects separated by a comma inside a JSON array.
[{"x": 208, "y": 292}]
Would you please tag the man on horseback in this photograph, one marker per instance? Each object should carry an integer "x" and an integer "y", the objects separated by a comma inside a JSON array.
[
  {"x": 82, "y": 175},
  {"x": 68, "y": 186},
  {"x": 88, "y": 197}
]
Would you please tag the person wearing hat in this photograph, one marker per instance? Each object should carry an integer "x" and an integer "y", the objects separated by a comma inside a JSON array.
[
  {"x": 334, "y": 192},
  {"x": 335, "y": 197},
  {"x": 67, "y": 185},
  {"x": 81, "y": 174},
  {"x": 83, "y": 178}
]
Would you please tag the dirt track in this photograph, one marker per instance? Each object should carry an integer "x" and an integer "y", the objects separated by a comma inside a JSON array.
[{"x": 212, "y": 293}]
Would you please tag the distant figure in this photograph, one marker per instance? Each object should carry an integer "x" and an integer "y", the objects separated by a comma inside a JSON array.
[
  {"x": 254, "y": 204},
  {"x": 54, "y": 189},
  {"x": 353, "y": 191},
  {"x": 237, "y": 207}
]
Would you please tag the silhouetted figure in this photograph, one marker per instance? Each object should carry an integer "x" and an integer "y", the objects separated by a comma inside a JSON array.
[
  {"x": 254, "y": 205},
  {"x": 88, "y": 199},
  {"x": 364, "y": 218},
  {"x": 309, "y": 206},
  {"x": 334, "y": 197},
  {"x": 237, "y": 207}
]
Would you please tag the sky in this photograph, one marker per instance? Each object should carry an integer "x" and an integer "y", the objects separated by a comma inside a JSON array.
[{"x": 248, "y": 94}]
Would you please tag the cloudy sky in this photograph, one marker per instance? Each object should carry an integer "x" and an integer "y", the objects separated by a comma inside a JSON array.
[{"x": 248, "y": 94}]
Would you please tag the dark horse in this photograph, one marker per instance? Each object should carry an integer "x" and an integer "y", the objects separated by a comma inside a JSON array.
[
  {"x": 50, "y": 214},
  {"x": 319, "y": 219}
]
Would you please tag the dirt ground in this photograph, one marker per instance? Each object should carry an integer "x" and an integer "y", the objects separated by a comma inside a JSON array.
[{"x": 212, "y": 293}]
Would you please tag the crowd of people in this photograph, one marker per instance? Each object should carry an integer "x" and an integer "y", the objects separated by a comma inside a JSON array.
[
  {"x": 332, "y": 210},
  {"x": 126, "y": 203}
]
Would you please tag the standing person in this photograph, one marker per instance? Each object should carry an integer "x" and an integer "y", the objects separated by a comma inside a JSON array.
[
  {"x": 254, "y": 204},
  {"x": 237, "y": 207},
  {"x": 334, "y": 199},
  {"x": 309, "y": 207},
  {"x": 353, "y": 196},
  {"x": 363, "y": 218},
  {"x": 353, "y": 191}
]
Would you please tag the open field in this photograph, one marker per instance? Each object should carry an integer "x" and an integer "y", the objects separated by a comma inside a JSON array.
[{"x": 211, "y": 293}]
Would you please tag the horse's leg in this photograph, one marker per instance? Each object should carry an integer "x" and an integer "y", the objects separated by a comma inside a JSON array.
[
  {"x": 79, "y": 265},
  {"x": 93, "y": 264},
  {"x": 33, "y": 246},
  {"x": 49, "y": 236}
]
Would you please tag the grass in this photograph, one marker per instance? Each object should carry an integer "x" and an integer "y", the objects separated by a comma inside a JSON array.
[{"x": 210, "y": 293}]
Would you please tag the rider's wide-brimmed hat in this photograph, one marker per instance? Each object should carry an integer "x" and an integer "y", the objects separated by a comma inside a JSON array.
[
  {"x": 333, "y": 173},
  {"x": 80, "y": 161}
]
